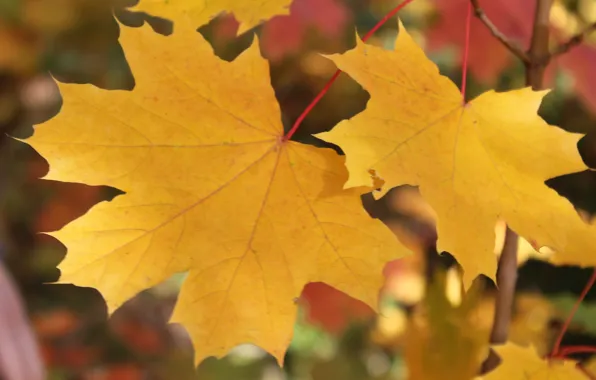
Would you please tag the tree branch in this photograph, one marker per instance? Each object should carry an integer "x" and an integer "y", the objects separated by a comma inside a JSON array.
[
  {"x": 510, "y": 45},
  {"x": 539, "y": 47},
  {"x": 573, "y": 41},
  {"x": 507, "y": 272},
  {"x": 506, "y": 280}
]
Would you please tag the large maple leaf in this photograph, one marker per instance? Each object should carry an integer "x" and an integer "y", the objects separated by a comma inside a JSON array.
[
  {"x": 522, "y": 363},
  {"x": 199, "y": 12},
  {"x": 211, "y": 188},
  {"x": 475, "y": 163}
]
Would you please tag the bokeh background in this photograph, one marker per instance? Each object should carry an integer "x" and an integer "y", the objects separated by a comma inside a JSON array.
[{"x": 335, "y": 337}]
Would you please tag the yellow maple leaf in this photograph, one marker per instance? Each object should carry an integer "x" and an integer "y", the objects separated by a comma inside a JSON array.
[
  {"x": 522, "y": 363},
  {"x": 200, "y": 12},
  {"x": 474, "y": 164},
  {"x": 446, "y": 340},
  {"x": 211, "y": 188}
]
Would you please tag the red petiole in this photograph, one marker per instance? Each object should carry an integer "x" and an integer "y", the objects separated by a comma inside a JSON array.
[
  {"x": 557, "y": 351},
  {"x": 570, "y": 350}
]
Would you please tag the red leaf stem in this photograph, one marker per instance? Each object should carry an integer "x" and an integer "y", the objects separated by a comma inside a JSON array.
[
  {"x": 557, "y": 351},
  {"x": 464, "y": 69},
  {"x": 570, "y": 350}
]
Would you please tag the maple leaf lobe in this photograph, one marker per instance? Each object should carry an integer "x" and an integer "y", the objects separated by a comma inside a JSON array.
[
  {"x": 200, "y": 12},
  {"x": 523, "y": 363}
]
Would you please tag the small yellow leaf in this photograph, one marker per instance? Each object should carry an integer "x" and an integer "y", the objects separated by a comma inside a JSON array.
[
  {"x": 522, "y": 363},
  {"x": 200, "y": 12},
  {"x": 443, "y": 340},
  {"x": 211, "y": 188},
  {"x": 474, "y": 164}
]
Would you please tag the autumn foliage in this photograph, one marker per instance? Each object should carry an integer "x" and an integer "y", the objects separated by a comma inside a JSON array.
[{"x": 215, "y": 183}]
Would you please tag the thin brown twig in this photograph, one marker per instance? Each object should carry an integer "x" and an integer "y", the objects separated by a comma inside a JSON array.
[
  {"x": 539, "y": 45},
  {"x": 511, "y": 45},
  {"x": 573, "y": 41},
  {"x": 506, "y": 280}
]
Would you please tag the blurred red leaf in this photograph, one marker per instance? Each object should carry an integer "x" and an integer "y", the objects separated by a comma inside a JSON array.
[
  {"x": 487, "y": 57},
  {"x": 141, "y": 337},
  {"x": 54, "y": 323},
  {"x": 225, "y": 29},
  {"x": 125, "y": 371},
  {"x": 70, "y": 201},
  {"x": 48, "y": 354},
  {"x": 331, "y": 309},
  {"x": 579, "y": 62},
  {"x": 327, "y": 16},
  {"x": 76, "y": 356},
  {"x": 284, "y": 35}
]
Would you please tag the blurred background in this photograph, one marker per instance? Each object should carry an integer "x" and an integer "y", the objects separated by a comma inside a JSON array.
[{"x": 423, "y": 320}]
